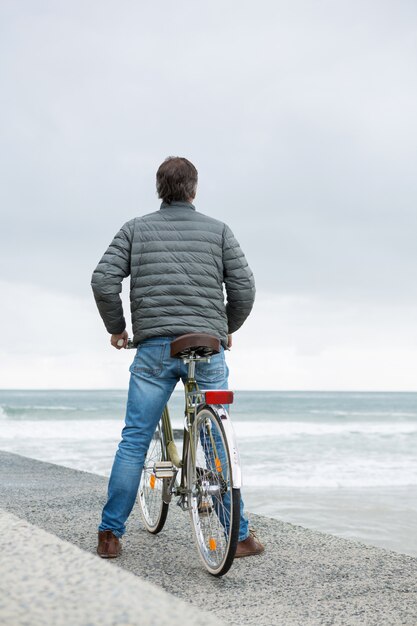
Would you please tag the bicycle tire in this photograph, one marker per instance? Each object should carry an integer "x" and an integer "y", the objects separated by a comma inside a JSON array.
[
  {"x": 213, "y": 502},
  {"x": 153, "y": 509}
]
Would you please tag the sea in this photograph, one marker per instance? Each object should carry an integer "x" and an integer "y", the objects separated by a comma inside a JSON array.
[{"x": 338, "y": 462}]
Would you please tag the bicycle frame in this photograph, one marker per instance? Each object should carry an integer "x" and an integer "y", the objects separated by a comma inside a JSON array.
[{"x": 194, "y": 399}]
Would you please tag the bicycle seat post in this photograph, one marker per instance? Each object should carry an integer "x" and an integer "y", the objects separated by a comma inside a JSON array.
[
  {"x": 191, "y": 360},
  {"x": 191, "y": 366}
]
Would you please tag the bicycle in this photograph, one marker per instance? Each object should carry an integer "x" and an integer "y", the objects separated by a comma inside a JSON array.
[{"x": 209, "y": 467}]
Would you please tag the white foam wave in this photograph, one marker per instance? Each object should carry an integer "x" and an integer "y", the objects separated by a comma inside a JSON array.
[
  {"x": 350, "y": 473},
  {"x": 377, "y": 414},
  {"x": 298, "y": 429},
  {"x": 336, "y": 482},
  {"x": 82, "y": 428},
  {"x": 42, "y": 407},
  {"x": 75, "y": 430}
]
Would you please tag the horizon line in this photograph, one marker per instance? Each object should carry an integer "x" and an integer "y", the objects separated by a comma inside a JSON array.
[{"x": 125, "y": 389}]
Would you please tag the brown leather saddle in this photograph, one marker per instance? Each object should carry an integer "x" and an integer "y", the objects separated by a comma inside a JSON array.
[{"x": 199, "y": 344}]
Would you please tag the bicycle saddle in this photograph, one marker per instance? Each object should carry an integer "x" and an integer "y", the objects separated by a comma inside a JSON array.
[{"x": 200, "y": 344}]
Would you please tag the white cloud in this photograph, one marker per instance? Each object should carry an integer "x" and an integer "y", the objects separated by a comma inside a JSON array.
[
  {"x": 55, "y": 340},
  {"x": 58, "y": 341},
  {"x": 300, "y": 343}
]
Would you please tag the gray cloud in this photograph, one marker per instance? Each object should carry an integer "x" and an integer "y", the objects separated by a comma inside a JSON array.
[{"x": 299, "y": 116}]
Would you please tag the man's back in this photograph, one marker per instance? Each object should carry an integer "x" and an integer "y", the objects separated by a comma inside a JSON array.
[{"x": 178, "y": 260}]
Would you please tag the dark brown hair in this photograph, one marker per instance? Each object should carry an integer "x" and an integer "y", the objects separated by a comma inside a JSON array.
[{"x": 176, "y": 179}]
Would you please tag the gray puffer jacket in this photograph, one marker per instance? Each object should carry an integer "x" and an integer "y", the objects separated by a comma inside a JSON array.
[{"x": 178, "y": 260}]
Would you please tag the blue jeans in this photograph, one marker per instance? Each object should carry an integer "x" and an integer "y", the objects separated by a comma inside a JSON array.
[{"x": 154, "y": 375}]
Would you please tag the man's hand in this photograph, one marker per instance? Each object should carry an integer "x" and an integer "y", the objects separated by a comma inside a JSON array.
[
  {"x": 229, "y": 341},
  {"x": 115, "y": 339}
]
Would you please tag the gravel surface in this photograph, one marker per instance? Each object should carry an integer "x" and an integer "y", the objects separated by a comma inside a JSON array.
[{"x": 304, "y": 577}]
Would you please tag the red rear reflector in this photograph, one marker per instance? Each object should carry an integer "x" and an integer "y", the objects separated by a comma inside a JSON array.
[{"x": 219, "y": 396}]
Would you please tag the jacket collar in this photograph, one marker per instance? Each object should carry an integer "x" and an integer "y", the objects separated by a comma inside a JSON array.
[{"x": 176, "y": 204}]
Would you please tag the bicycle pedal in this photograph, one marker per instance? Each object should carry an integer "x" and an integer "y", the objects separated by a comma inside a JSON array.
[{"x": 164, "y": 469}]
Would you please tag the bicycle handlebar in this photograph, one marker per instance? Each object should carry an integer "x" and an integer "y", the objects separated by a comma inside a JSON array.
[{"x": 128, "y": 346}]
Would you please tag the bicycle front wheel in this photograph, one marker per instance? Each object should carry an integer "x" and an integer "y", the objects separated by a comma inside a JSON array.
[
  {"x": 214, "y": 503},
  {"x": 153, "y": 509}
]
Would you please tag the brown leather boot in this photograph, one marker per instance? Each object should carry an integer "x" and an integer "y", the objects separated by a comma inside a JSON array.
[
  {"x": 249, "y": 547},
  {"x": 109, "y": 546}
]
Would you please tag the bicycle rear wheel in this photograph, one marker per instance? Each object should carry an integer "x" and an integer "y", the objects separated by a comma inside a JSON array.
[
  {"x": 214, "y": 503},
  {"x": 153, "y": 509}
]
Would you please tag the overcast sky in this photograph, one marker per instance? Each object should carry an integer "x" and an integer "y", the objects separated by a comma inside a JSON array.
[{"x": 301, "y": 119}]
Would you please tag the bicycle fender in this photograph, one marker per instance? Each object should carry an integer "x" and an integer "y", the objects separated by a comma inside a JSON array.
[{"x": 232, "y": 444}]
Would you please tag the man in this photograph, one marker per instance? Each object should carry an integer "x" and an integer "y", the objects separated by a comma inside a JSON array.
[{"x": 178, "y": 260}]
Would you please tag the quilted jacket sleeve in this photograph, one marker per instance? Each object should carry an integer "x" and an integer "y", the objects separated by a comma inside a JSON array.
[
  {"x": 107, "y": 280},
  {"x": 239, "y": 282}
]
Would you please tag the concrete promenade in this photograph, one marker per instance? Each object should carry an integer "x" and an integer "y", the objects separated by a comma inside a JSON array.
[
  {"x": 304, "y": 578},
  {"x": 46, "y": 581}
]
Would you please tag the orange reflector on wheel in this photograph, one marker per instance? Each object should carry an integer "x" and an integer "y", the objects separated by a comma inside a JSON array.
[
  {"x": 218, "y": 464},
  {"x": 212, "y": 544},
  {"x": 152, "y": 481},
  {"x": 219, "y": 396}
]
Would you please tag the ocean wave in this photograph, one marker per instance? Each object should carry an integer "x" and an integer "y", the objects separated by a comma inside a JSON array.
[
  {"x": 349, "y": 474},
  {"x": 351, "y": 413},
  {"x": 76, "y": 426},
  {"x": 299, "y": 429},
  {"x": 330, "y": 482},
  {"x": 28, "y": 408},
  {"x": 65, "y": 430},
  {"x": 41, "y": 412}
]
